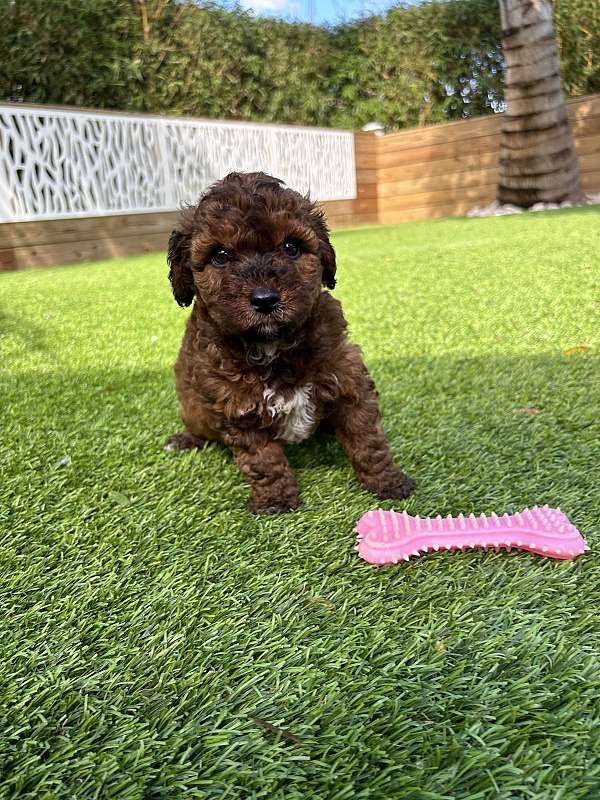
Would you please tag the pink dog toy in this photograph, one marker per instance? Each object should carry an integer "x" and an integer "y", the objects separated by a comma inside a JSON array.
[{"x": 386, "y": 537}]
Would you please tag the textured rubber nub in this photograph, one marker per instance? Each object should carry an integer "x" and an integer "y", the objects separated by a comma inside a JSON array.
[{"x": 386, "y": 537}]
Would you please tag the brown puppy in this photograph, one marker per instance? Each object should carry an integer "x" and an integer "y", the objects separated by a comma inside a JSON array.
[{"x": 265, "y": 357}]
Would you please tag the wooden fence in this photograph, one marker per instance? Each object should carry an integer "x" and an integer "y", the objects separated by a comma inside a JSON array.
[
  {"x": 445, "y": 170},
  {"x": 437, "y": 171},
  {"x": 61, "y": 241}
]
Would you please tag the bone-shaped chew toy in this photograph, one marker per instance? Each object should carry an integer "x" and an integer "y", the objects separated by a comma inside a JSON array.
[{"x": 386, "y": 537}]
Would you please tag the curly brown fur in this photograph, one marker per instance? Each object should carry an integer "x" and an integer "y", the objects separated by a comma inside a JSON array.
[{"x": 255, "y": 378}]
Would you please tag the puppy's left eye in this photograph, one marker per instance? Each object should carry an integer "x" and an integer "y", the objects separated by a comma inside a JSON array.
[
  {"x": 291, "y": 248},
  {"x": 219, "y": 257}
]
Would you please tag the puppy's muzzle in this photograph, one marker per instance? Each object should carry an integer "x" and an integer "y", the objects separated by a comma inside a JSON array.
[{"x": 264, "y": 299}]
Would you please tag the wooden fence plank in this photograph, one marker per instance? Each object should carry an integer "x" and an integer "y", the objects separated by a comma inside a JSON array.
[
  {"x": 44, "y": 255},
  {"x": 578, "y": 109},
  {"x": 366, "y": 142},
  {"x": 587, "y": 145},
  {"x": 366, "y": 161},
  {"x": 366, "y": 191},
  {"x": 19, "y": 234},
  {"x": 351, "y": 220},
  {"x": 365, "y": 176},
  {"x": 584, "y": 106},
  {"x": 415, "y": 155},
  {"x": 429, "y": 212},
  {"x": 586, "y": 126},
  {"x": 450, "y": 181},
  {"x": 591, "y": 181},
  {"x": 392, "y": 155},
  {"x": 438, "y": 166},
  {"x": 356, "y": 207},
  {"x": 433, "y": 198},
  {"x": 591, "y": 162},
  {"x": 336, "y": 207},
  {"x": 458, "y": 181},
  {"x": 441, "y": 134}
]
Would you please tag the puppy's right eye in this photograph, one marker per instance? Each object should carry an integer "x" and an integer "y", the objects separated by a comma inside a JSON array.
[
  {"x": 219, "y": 257},
  {"x": 291, "y": 248}
]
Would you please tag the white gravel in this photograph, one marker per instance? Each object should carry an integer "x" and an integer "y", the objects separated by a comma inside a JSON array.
[{"x": 497, "y": 209}]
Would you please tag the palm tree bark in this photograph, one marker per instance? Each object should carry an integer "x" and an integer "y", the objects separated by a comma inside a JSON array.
[{"x": 538, "y": 162}]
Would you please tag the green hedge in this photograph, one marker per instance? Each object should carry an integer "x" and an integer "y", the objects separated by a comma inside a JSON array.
[{"x": 436, "y": 61}]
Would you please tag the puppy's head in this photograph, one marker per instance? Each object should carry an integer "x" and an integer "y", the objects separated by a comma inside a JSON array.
[{"x": 254, "y": 253}]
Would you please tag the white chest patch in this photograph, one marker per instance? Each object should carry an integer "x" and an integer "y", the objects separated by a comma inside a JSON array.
[{"x": 296, "y": 416}]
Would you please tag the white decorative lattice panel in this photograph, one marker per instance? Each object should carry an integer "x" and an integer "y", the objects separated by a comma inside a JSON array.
[{"x": 60, "y": 163}]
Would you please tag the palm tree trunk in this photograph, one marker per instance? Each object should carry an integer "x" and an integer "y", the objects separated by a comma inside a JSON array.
[{"x": 538, "y": 162}]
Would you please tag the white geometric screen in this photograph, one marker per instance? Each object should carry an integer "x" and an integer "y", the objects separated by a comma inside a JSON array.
[{"x": 60, "y": 163}]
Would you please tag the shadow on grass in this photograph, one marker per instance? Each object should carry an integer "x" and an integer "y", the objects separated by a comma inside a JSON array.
[
  {"x": 33, "y": 336},
  {"x": 456, "y": 422}
]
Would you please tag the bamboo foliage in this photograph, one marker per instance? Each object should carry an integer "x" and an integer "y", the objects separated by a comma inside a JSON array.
[{"x": 416, "y": 64}]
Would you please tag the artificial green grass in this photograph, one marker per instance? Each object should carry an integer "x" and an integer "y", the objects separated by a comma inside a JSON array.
[{"x": 158, "y": 641}]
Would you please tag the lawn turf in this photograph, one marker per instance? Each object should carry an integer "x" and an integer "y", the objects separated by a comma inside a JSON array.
[{"x": 158, "y": 641}]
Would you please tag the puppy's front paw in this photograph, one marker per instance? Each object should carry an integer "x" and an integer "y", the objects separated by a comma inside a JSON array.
[
  {"x": 184, "y": 441},
  {"x": 267, "y": 506},
  {"x": 386, "y": 486}
]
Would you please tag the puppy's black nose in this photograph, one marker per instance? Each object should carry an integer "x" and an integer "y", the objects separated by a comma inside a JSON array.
[{"x": 264, "y": 299}]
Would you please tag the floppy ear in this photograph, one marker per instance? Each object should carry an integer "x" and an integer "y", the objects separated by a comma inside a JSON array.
[
  {"x": 326, "y": 251},
  {"x": 180, "y": 273},
  {"x": 327, "y": 255}
]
